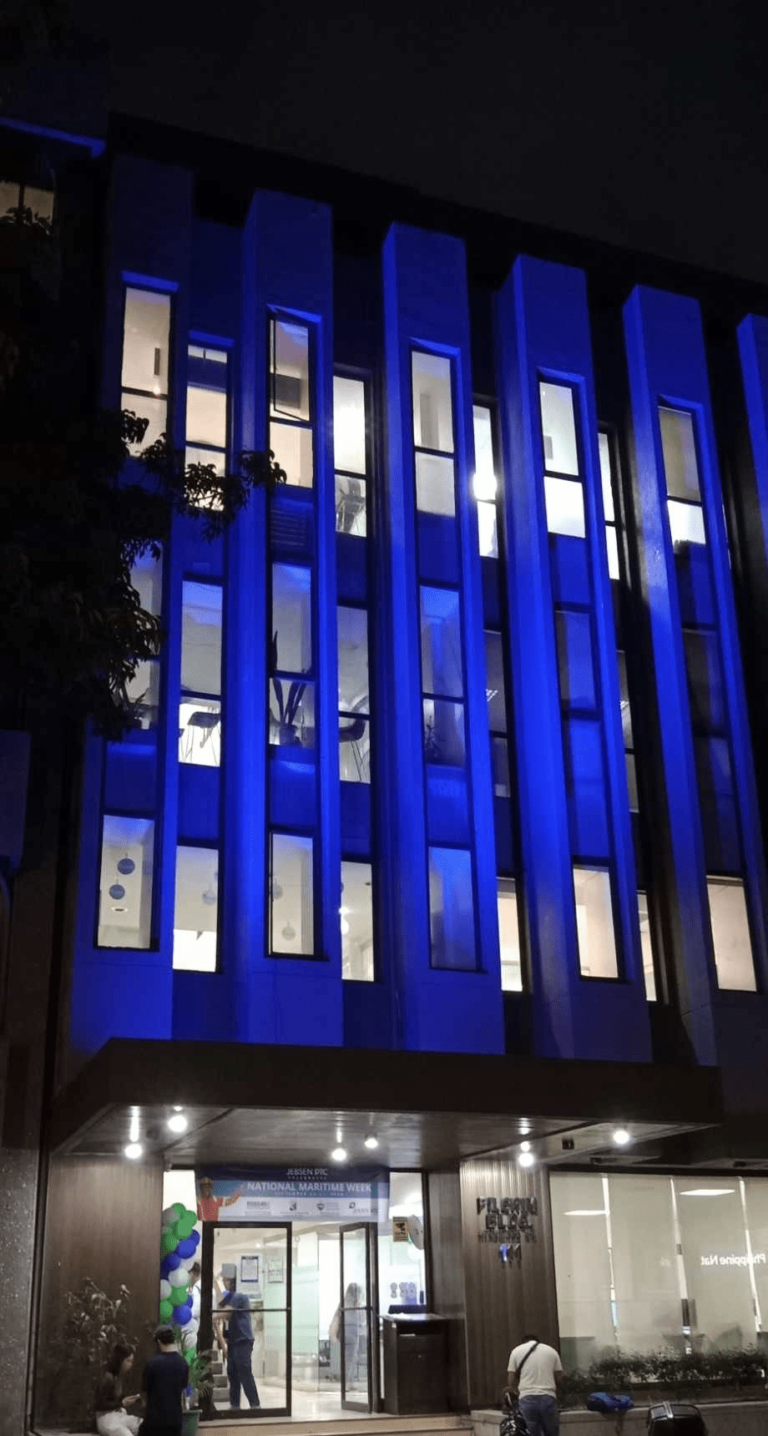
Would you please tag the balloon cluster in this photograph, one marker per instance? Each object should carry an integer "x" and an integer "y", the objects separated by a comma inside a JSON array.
[{"x": 178, "y": 1249}]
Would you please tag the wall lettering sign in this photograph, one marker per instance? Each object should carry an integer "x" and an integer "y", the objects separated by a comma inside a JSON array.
[{"x": 507, "y": 1222}]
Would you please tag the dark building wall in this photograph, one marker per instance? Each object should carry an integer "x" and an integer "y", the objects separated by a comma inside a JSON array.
[{"x": 447, "y": 1275}]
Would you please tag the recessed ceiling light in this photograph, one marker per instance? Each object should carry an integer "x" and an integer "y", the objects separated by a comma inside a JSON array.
[
  {"x": 178, "y": 1122},
  {"x": 525, "y": 1146},
  {"x": 526, "y": 1159},
  {"x": 339, "y": 1154},
  {"x": 621, "y": 1137},
  {"x": 371, "y": 1142},
  {"x": 586, "y": 1212},
  {"x": 708, "y": 1192},
  {"x": 178, "y": 1109},
  {"x": 134, "y": 1150}
]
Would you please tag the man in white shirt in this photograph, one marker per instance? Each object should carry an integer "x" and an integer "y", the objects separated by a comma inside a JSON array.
[{"x": 534, "y": 1370}]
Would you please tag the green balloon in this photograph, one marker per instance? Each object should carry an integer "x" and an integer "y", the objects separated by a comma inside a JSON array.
[
  {"x": 178, "y": 1295},
  {"x": 168, "y": 1243},
  {"x": 178, "y": 1209},
  {"x": 166, "y": 1310},
  {"x": 185, "y": 1225}
]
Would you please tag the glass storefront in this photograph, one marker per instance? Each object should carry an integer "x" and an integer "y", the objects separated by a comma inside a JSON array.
[{"x": 643, "y": 1262}]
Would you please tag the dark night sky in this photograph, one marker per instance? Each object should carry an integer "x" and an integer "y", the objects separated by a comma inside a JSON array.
[{"x": 640, "y": 123}]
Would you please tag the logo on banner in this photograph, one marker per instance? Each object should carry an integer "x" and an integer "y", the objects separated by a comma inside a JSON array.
[
  {"x": 236, "y": 1194},
  {"x": 508, "y": 1222}
]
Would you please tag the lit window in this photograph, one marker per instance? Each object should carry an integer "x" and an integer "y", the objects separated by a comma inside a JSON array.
[
  {"x": 291, "y": 895},
  {"x": 564, "y": 502},
  {"x": 509, "y": 936},
  {"x": 354, "y": 700},
  {"x": 606, "y": 478},
  {"x": 356, "y": 913},
  {"x": 451, "y": 909},
  {"x": 207, "y": 408},
  {"x": 594, "y": 922},
  {"x": 558, "y": 427},
  {"x": 485, "y": 483},
  {"x": 292, "y": 692},
  {"x": 290, "y": 434},
  {"x": 200, "y": 706},
  {"x": 627, "y": 730},
  {"x": 646, "y": 947},
  {"x": 349, "y": 429},
  {"x": 432, "y": 403},
  {"x": 730, "y": 935},
  {"x": 145, "y": 377},
  {"x": 435, "y": 489},
  {"x": 686, "y": 523},
  {"x": 196, "y": 911},
  {"x": 17, "y": 198},
  {"x": 678, "y": 442},
  {"x": 125, "y": 898},
  {"x": 143, "y": 690}
]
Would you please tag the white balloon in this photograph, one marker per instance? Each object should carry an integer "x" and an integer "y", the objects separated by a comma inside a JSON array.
[
  {"x": 165, "y": 1290},
  {"x": 192, "y": 1327},
  {"x": 178, "y": 1277},
  {"x": 169, "y": 1216},
  {"x": 187, "y": 1262}
]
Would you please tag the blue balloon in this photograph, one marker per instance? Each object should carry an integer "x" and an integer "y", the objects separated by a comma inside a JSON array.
[
  {"x": 182, "y": 1314},
  {"x": 173, "y": 1259},
  {"x": 186, "y": 1249},
  {"x": 195, "y": 1237}
]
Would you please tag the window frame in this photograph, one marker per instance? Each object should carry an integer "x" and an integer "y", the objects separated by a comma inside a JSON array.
[
  {"x": 458, "y": 847},
  {"x": 347, "y": 857},
  {"x": 282, "y": 831},
  {"x": 608, "y": 866},
  {"x": 341, "y": 371},
  {"x": 416, "y": 449},
  {"x": 132, "y": 282},
  {"x": 206, "y": 845},
  {"x": 275, "y": 316}
]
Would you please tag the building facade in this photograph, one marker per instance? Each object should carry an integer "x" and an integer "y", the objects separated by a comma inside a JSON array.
[{"x": 440, "y": 832}]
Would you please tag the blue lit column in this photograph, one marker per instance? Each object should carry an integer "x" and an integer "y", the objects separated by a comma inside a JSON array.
[
  {"x": 687, "y": 588},
  {"x": 568, "y": 814},
  {"x": 425, "y": 804}
]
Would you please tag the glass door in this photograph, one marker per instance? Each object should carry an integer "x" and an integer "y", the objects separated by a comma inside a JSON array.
[
  {"x": 246, "y": 1316},
  {"x": 359, "y": 1316}
]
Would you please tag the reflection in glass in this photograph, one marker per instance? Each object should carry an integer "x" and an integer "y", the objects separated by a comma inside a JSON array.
[
  {"x": 564, "y": 501},
  {"x": 558, "y": 429},
  {"x": 125, "y": 888},
  {"x": 356, "y": 914},
  {"x": 678, "y": 442},
  {"x": 594, "y": 922},
  {"x": 195, "y": 917},
  {"x": 730, "y": 935},
  {"x": 451, "y": 909},
  {"x": 509, "y": 936},
  {"x": 292, "y": 894},
  {"x": 432, "y": 406}
]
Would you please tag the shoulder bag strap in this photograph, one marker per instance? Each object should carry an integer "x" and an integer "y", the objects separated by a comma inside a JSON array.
[{"x": 528, "y": 1353}]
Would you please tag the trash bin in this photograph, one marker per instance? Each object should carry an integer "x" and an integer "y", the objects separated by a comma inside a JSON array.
[
  {"x": 415, "y": 1365},
  {"x": 673, "y": 1418}
]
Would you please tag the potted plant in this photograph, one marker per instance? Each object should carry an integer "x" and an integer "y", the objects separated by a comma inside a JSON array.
[{"x": 200, "y": 1386}]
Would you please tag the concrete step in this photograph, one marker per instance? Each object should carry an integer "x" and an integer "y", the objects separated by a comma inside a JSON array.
[{"x": 353, "y": 1423}]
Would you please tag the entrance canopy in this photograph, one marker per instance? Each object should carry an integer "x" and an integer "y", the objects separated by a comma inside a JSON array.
[{"x": 288, "y": 1105}]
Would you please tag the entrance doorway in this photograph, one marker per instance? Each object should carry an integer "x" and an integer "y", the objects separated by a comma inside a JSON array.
[{"x": 292, "y": 1311}]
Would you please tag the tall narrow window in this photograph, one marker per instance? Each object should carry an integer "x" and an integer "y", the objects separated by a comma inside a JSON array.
[
  {"x": 563, "y": 490},
  {"x": 452, "y": 909},
  {"x": 292, "y": 689},
  {"x": 442, "y": 676},
  {"x": 627, "y": 730},
  {"x": 497, "y": 712},
  {"x": 16, "y": 198},
  {"x": 356, "y": 914},
  {"x": 290, "y": 409},
  {"x": 125, "y": 897},
  {"x": 681, "y": 470},
  {"x": 509, "y": 936},
  {"x": 486, "y": 485},
  {"x": 200, "y": 705},
  {"x": 433, "y": 433},
  {"x": 646, "y": 947},
  {"x": 291, "y": 888},
  {"x": 730, "y": 934},
  {"x": 350, "y": 455},
  {"x": 207, "y": 387},
  {"x": 594, "y": 922},
  {"x": 609, "y": 507},
  {"x": 143, "y": 689},
  {"x": 146, "y": 341},
  {"x": 354, "y": 696},
  {"x": 196, "y": 911}
]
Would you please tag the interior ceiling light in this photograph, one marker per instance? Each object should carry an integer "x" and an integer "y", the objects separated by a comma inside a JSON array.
[
  {"x": 117, "y": 891},
  {"x": 708, "y": 1192},
  {"x": 178, "y": 1109},
  {"x": 133, "y": 1150},
  {"x": 289, "y": 932},
  {"x": 126, "y": 866},
  {"x": 371, "y": 1143},
  {"x": 525, "y": 1146},
  {"x": 526, "y": 1159},
  {"x": 586, "y": 1212},
  {"x": 339, "y": 1154},
  {"x": 621, "y": 1137},
  {"x": 177, "y": 1123}
]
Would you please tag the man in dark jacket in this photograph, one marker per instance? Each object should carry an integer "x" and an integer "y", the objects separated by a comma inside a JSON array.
[
  {"x": 240, "y": 1349},
  {"x": 166, "y": 1377}
]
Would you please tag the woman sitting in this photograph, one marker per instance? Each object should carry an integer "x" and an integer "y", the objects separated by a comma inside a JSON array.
[{"x": 112, "y": 1407}]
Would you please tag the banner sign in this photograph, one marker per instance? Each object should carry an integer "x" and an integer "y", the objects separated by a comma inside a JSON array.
[{"x": 262, "y": 1194}]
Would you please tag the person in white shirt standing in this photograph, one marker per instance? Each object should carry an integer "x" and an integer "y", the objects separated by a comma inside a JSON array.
[{"x": 533, "y": 1373}]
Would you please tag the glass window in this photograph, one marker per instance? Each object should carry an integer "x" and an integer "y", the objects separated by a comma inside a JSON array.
[
  {"x": 143, "y": 690},
  {"x": 147, "y": 579},
  {"x": 290, "y": 369},
  {"x": 292, "y": 447},
  {"x": 444, "y": 732},
  {"x": 730, "y": 934},
  {"x": 606, "y": 478},
  {"x": 686, "y": 523},
  {"x": 713, "y": 1241},
  {"x": 291, "y": 713},
  {"x": 451, "y": 909},
  {"x": 487, "y": 530},
  {"x": 201, "y": 638},
  {"x": 356, "y": 912},
  {"x": 594, "y": 922},
  {"x": 146, "y": 338},
  {"x": 216, "y": 458},
  {"x": 705, "y": 680},
  {"x": 292, "y": 896},
  {"x": 349, "y": 424},
  {"x": 494, "y": 678},
  {"x": 509, "y": 936},
  {"x": 485, "y": 485},
  {"x": 432, "y": 402},
  {"x": 402, "y": 1268},
  {"x": 125, "y": 889},
  {"x": 435, "y": 488},
  {"x": 207, "y": 409},
  {"x": 575, "y": 659},
  {"x": 354, "y": 750},
  {"x": 558, "y": 427},
  {"x": 441, "y": 665},
  {"x": 564, "y": 502},
  {"x": 351, "y": 517},
  {"x": 500, "y": 766},
  {"x": 626, "y": 711},
  {"x": 353, "y": 660},
  {"x": 678, "y": 443},
  {"x": 196, "y": 911},
  {"x": 646, "y": 947},
  {"x": 291, "y": 619}
]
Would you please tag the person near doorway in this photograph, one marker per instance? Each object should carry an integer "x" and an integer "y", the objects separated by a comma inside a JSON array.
[
  {"x": 534, "y": 1370},
  {"x": 194, "y": 1290},
  {"x": 353, "y": 1317},
  {"x": 238, "y": 1348},
  {"x": 166, "y": 1377},
  {"x": 112, "y": 1406}
]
